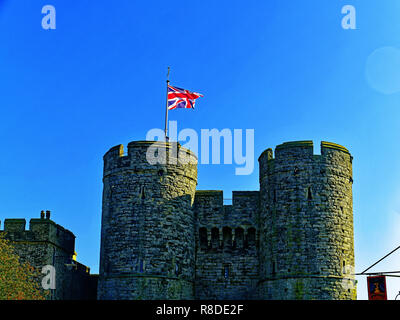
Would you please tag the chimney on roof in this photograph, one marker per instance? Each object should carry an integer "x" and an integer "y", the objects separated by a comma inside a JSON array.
[{"x": 48, "y": 214}]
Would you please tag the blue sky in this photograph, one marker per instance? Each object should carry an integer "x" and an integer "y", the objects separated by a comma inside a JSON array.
[{"x": 286, "y": 69}]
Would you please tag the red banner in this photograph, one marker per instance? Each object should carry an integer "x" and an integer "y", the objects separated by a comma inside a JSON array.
[{"x": 377, "y": 288}]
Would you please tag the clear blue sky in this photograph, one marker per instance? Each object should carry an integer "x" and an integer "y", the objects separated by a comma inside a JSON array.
[{"x": 284, "y": 68}]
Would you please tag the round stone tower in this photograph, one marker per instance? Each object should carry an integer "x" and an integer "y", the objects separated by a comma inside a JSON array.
[
  {"x": 147, "y": 236},
  {"x": 306, "y": 216}
]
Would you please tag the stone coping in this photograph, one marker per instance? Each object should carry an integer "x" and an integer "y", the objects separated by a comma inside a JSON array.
[
  {"x": 144, "y": 143},
  {"x": 209, "y": 192},
  {"x": 331, "y": 145},
  {"x": 307, "y": 144},
  {"x": 22, "y": 221}
]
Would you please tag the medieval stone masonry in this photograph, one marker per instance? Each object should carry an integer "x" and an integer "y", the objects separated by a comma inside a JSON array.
[
  {"x": 163, "y": 239},
  {"x": 292, "y": 239},
  {"x": 46, "y": 243}
]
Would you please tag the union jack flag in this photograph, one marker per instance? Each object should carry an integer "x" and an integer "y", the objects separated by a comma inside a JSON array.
[{"x": 181, "y": 98}]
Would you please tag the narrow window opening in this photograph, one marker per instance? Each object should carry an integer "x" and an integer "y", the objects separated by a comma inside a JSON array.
[
  {"x": 141, "y": 266},
  {"x": 344, "y": 267},
  {"x": 227, "y": 236},
  {"x": 177, "y": 269},
  {"x": 203, "y": 238},
  {"x": 142, "y": 194},
  {"x": 226, "y": 272},
  {"x": 251, "y": 237},
  {"x": 239, "y": 237},
  {"x": 215, "y": 237},
  {"x": 309, "y": 194}
]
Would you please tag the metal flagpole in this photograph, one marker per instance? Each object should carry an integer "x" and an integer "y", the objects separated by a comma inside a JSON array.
[{"x": 166, "y": 110}]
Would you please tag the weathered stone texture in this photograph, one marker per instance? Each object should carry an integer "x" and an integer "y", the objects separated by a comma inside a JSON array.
[
  {"x": 47, "y": 243},
  {"x": 147, "y": 237},
  {"x": 306, "y": 222},
  {"x": 227, "y": 246},
  {"x": 293, "y": 239}
]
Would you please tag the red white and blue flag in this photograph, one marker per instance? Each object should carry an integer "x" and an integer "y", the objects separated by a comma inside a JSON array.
[{"x": 181, "y": 98}]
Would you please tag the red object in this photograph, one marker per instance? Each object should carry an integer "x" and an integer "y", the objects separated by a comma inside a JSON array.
[
  {"x": 377, "y": 288},
  {"x": 181, "y": 98}
]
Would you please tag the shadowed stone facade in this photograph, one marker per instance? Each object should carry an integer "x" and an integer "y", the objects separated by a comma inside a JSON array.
[
  {"x": 227, "y": 264},
  {"x": 162, "y": 239}
]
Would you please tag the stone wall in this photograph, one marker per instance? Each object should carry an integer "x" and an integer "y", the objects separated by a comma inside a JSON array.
[
  {"x": 306, "y": 248},
  {"x": 47, "y": 243},
  {"x": 147, "y": 236},
  {"x": 226, "y": 245},
  {"x": 293, "y": 239}
]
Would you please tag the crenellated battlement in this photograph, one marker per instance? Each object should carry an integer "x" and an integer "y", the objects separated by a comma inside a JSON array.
[
  {"x": 211, "y": 202},
  {"x": 300, "y": 156},
  {"x": 296, "y": 232},
  {"x": 148, "y": 155},
  {"x": 40, "y": 230},
  {"x": 208, "y": 198},
  {"x": 212, "y": 214},
  {"x": 327, "y": 146},
  {"x": 303, "y": 197},
  {"x": 227, "y": 244},
  {"x": 157, "y": 182},
  {"x": 114, "y": 153},
  {"x": 301, "y": 149},
  {"x": 14, "y": 225},
  {"x": 46, "y": 244}
]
